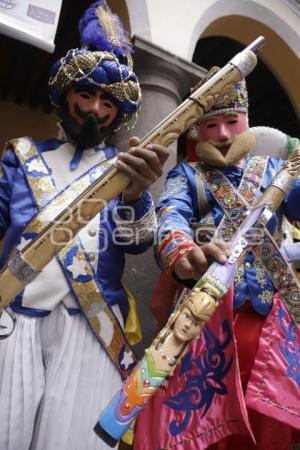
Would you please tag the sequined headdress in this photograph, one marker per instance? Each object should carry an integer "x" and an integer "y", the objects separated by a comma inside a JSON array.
[
  {"x": 236, "y": 100},
  {"x": 104, "y": 60}
]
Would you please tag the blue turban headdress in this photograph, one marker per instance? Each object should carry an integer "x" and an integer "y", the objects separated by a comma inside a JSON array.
[{"x": 104, "y": 61}]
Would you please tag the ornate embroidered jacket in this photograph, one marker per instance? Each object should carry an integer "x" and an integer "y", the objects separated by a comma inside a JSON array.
[{"x": 180, "y": 211}]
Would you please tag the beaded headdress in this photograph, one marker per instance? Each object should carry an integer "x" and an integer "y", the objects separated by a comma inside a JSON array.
[
  {"x": 104, "y": 60},
  {"x": 235, "y": 99}
]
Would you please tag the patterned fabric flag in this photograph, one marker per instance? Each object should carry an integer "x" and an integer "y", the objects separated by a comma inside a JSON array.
[
  {"x": 274, "y": 385},
  {"x": 202, "y": 402}
]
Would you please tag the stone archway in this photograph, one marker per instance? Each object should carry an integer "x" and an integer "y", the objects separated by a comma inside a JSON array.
[
  {"x": 269, "y": 102},
  {"x": 243, "y": 22},
  {"x": 276, "y": 54},
  {"x": 274, "y": 14}
]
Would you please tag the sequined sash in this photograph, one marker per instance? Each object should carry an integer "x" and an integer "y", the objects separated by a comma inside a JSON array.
[
  {"x": 234, "y": 202},
  {"x": 83, "y": 282},
  {"x": 231, "y": 200}
]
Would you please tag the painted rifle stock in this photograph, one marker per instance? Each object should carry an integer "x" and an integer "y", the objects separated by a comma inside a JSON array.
[
  {"x": 53, "y": 236},
  {"x": 161, "y": 358}
]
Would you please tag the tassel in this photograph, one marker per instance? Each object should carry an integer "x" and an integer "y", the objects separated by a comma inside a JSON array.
[{"x": 74, "y": 163}]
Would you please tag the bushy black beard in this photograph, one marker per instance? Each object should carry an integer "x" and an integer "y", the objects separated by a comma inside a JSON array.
[{"x": 88, "y": 134}]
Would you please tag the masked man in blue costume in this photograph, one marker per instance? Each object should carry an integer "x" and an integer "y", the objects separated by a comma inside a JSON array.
[
  {"x": 65, "y": 359},
  {"x": 241, "y": 377}
]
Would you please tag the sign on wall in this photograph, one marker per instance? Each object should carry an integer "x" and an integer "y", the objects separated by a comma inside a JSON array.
[{"x": 31, "y": 21}]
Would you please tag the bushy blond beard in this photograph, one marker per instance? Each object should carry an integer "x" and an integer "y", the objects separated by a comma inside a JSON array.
[{"x": 208, "y": 152}]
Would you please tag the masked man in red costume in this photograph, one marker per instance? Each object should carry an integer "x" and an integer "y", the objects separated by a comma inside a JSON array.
[
  {"x": 70, "y": 346},
  {"x": 238, "y": 386}
]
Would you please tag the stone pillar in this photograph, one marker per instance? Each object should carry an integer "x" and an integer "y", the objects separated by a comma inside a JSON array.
[{"x": 165, "y": 80}]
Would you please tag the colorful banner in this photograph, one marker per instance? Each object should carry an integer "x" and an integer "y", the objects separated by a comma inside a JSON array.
[{"x": 31, "y": 21}]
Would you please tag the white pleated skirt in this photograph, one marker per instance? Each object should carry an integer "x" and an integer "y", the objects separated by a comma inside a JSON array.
[{"x": 55, "y": 379}]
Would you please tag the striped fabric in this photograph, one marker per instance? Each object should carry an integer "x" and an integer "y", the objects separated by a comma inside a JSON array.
[{"x": 53, "y": 375}]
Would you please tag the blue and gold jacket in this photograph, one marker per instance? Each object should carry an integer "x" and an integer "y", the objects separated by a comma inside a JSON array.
[{"x": 103, "y": 238}]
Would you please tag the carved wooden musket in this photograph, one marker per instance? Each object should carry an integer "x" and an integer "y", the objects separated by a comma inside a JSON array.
[
  {"x": 27, "y": 264},
  {"x": 161, "y": 358}
]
